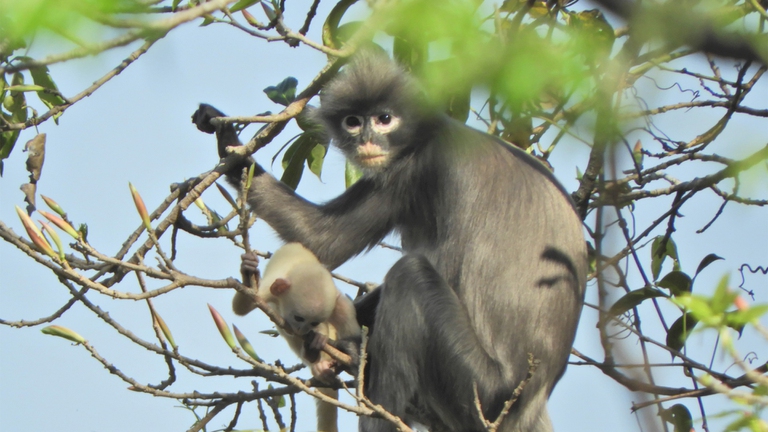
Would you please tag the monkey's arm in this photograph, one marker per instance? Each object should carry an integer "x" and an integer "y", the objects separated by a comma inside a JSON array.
[
  {"x": 335, "y": 231},
  {"x": 226, "y": 136},
  {"x": 343, "y": 318},
  {"x": 242, "y": 303}
]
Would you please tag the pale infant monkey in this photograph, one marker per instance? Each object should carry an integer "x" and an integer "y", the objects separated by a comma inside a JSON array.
[{"x": 302, "y": 292}]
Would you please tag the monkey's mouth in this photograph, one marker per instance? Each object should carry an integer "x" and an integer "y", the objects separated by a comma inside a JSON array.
[
  {"x": 372, "y": 160},
  {"x": 371, "y": 155}
]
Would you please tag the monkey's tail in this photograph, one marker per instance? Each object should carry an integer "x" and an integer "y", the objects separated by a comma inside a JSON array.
[{"x": 327, "y": 413}]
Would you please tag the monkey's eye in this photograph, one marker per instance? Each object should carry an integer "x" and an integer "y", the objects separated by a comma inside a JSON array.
[
  {"x": 385, "y": 123},
  {"x": 352, "y": 122},
  {"x": 298, "y": 318},
  {"x": 384, "y": 119},
  {"x": 314, "y": 324}
]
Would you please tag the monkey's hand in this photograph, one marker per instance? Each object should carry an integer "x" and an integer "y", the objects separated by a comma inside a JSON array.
[
  {"x": 316, "y": 340},
  {"x": 351, "y": 347},
  {"x": 365, "y": 308},
  {"x": 249, "y": 265},
  {"x": 313, "y": 344},
  {"x": 202, "y": 118},
  {"x": 323, "y": 370},
  {"x": 226, "y": 135}
]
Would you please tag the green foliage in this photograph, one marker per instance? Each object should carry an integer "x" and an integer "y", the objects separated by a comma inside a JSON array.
[
  {"x": 679, "y": 416},
  {"x": 307, "y": 148},
  {"x": 351, "y": 174},
  {"x": 243, "y": 4},
  {"x": 680, "y": 330},
  {"x": 632, "y": 299},
  {"x": 48, "y": 93},
  {"x": 25, "y": 18},
  {"x": 677, "y": 282},
  {"x": 284, "y": 93},
  {"x": 660, "y": 250},
  {"x": 705, "y": 262}
]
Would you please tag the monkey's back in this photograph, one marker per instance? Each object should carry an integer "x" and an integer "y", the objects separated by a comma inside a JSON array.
[{"x": 514, "y": 252}]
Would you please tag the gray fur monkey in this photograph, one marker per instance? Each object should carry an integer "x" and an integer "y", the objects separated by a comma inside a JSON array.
[
  {"x": 495, "y": 261},
  {"x": 302, "y": 291}
]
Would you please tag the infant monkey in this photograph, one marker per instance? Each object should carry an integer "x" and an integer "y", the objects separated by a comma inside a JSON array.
[{"x": 302, "y": 292}]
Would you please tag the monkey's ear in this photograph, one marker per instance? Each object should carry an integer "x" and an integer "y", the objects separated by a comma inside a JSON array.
[{"x": 279, "y": 287}]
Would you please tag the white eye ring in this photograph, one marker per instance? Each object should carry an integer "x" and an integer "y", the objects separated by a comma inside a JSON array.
[
  {"x": 352, "y": 124},
  {"x": 384, "y": 123}
]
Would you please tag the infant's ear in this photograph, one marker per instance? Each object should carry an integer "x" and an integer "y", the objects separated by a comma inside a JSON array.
[{"x": 279, "y": 287}]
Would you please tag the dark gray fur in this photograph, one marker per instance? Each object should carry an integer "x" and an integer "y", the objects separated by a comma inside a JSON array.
[{"x": 495, "y": 261}]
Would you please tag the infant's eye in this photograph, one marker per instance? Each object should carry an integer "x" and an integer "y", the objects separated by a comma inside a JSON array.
[
  {"x": 384, "y": 119},
  {"x": 298, "y": 318},
  {"x": 315, "y": 324}
]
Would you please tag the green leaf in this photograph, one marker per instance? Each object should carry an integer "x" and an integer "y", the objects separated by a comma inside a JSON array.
[
  {"x": 63, "y": 332},
  {"x": 511, "y": 5},
  {"x": 42, "y": 77},
  {"x": 680, "y": 330},
  {"x": 15, "y": 103},
  {"x": 634, "y": 298},
  {"x": 456, "y": 99},
  {"x": 280, "y": 399},
  {"x": 294, "y": 158},
  {"x": 677, "y": 282},
  {"x": 709, "y": 259},
  {"x": 268, "y": 11},
  {"x": 723, "y": 297},
  {"x": 345, "y": 32},
  {"x": 679, "y": 416},
  {"x": 270, "y": 333},
  {"x": 316, "y": 158},
  {"x": 283, "y": 93},
  {"x": 243, "y": 4},
  {"x": 223, "y": 327},
  {"x": 26, "y": 88},
  {"x": 245, "y": 344},
  {"x": 738, "y": 319},
  {"x": 593, "y": 35},
  {"x": 658, "y": 255},
  {"x": 7, "y": 142},
  {"x": 411, "y": 53},
  {"x": 166, "y": 330},
  {"x": 331, "y": 25},
  {"x": 699, "y": 307},
  {"x": 351, "y": 174}
]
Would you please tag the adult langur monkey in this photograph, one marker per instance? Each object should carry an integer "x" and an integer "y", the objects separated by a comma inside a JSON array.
[{"x": 495, "y": 260}]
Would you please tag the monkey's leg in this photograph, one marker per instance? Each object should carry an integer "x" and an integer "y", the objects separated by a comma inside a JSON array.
[
  {"x": 327, "y": 413},
  {"x": 424, "y": 346}
]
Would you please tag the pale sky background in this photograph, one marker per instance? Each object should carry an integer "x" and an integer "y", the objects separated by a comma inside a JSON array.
[{"x": 137, "y": 128}]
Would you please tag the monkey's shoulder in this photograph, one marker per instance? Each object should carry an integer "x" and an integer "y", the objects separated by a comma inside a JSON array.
[{"x": 497, "y": 157}]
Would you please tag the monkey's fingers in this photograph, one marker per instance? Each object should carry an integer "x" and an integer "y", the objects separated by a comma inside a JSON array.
[
  {"x": 249, "y": 262},
  {"x": 319, "y": 341},
  {"x": 346, "y": 352},
  {"x": 324, "y": 371}
]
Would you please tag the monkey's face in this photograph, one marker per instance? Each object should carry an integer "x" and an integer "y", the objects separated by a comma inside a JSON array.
[
  {"x": 301, "y": 324},
  {"x": 311, "y": 298},
  {"x": 366, "y": 139}
]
